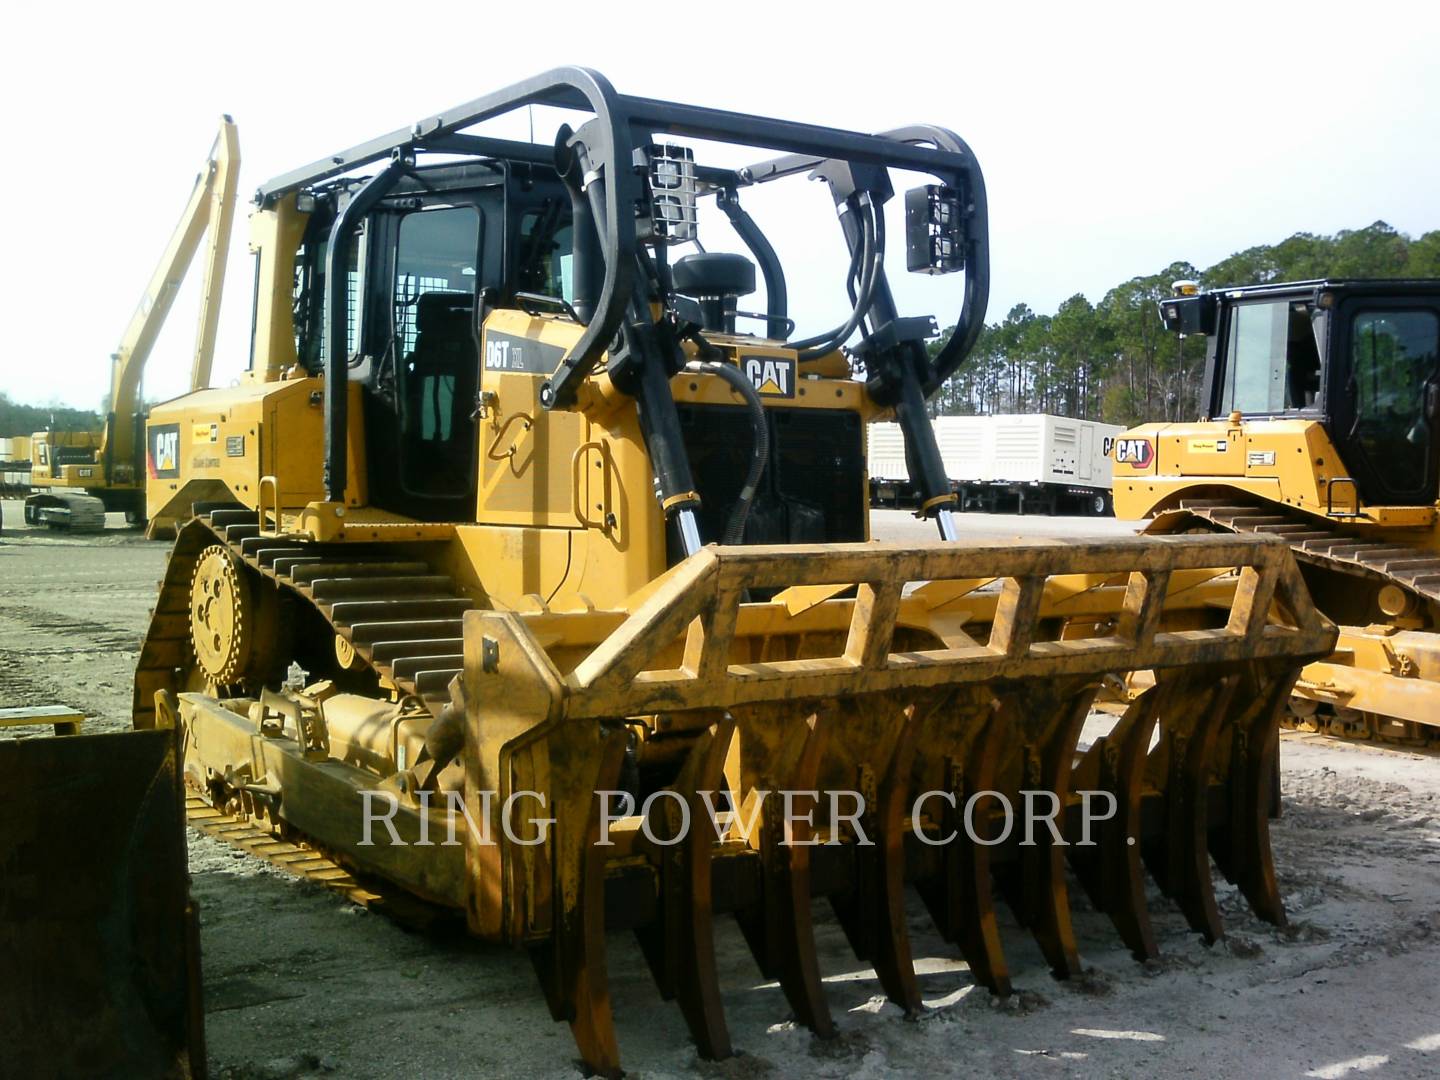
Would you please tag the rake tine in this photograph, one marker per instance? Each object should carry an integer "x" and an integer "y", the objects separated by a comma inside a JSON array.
[
  {"x": 1113, "y": 871},
  {"x": 783, "y": 938},
  {"x": 571, "y": 963},
  {"x": 978, "y": 934},
  {"x": 1244, "y": 848},
  {"x": 681, "y": 945},
  {"x": 893, "y": 961},
  {"x": 1186, "y": 801},
  {"x": 1043, "y": 863},
  {"x": 875, "y": 917}
]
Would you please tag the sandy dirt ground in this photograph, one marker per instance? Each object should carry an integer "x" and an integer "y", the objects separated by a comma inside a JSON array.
[{"x": 299, "y": 984}]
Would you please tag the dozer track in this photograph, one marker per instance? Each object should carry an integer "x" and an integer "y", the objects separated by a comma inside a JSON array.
[
  {"x": 299, "y": 859},
  {"x": 1363, "y": 695},
  {"x": 816, "y": 698},
  {"x": 401, "y": 619},
  {"x": 308, "y": 863},
  {"x": 1414, "y": 570}
]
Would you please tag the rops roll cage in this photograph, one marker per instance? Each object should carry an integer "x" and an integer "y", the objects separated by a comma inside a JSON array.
[{"x": 599, "y": 166}]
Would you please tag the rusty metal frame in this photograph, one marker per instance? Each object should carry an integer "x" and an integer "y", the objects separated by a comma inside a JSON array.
[{"x": 996, "y": 706}]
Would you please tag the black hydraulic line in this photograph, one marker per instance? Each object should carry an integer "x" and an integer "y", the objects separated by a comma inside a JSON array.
[
  {"x": 641, "y": 369},
  {"x": 760, "y": 449},
  {"x": 777, "y": 301},
  {"x": 860, "y": 260},
  {"x": 337, "y": 350},
  {"x": 859, "y": 263},
  {"x": 900, "y": 381},
  {"x": 872, "y": 256}
]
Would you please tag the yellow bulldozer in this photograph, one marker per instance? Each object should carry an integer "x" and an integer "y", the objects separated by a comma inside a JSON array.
[
  {"x": 1323, "y": 399},
  {"x": 529, "y": 575},
  {"x": 76, "y": 477}
]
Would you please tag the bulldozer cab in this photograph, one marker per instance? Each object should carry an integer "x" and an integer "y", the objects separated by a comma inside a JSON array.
[
  {"x": 1363, "y": 358},
  {"x": 422, "y": 270},
  {"x": 400, "y": 271}
]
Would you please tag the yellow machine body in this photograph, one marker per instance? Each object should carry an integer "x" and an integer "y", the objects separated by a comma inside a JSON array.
[
  {"x": 1372, "y": 563},
  {"x": 455, "y": 494}
]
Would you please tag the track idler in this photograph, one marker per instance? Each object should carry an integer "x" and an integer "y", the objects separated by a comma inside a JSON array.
[{"x": 880, "y": 739}]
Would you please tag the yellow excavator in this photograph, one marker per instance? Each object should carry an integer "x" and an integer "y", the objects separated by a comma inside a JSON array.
[
  {"x": 78, "y": 476},
  {"x": 1323, "y": 429},
  {"x": 528, "y": 576}
]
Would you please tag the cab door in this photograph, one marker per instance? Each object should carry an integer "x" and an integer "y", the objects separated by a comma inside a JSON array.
[{"x": 1387, "y": 413}]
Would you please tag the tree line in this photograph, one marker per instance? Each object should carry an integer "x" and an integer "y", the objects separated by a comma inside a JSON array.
[
  {"x": 1110, "y": 361},
  {"x": 18, "y": 419},
  {"x": 1113, "y": 361}
]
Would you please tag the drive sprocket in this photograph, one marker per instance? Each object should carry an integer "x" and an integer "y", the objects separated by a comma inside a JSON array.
[{"x": 222, "y": 616}]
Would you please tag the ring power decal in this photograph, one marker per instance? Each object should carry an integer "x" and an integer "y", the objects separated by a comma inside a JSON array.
[{"x": 1208, "y": 446}]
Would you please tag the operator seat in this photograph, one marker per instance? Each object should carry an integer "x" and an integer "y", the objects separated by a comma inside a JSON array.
[{"x": 716, "y": 279}]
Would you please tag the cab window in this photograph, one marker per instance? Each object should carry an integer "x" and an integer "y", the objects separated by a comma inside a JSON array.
[
  {"x": 545, "y": 253},
  {"x": 434, "y": 305},
  {"x": 1393, "y": 359},
  {"x": 1272, "y": 364}
]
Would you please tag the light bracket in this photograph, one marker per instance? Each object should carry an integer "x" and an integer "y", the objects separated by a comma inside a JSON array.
[{"x": 934, "y": 230}]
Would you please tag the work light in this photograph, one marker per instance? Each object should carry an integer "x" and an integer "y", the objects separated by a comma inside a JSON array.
[
  {"x": 934, "y": 237},
  {"x": 672, "y": 192}
]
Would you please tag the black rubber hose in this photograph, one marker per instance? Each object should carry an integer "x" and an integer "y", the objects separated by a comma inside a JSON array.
[
  {"x": 864, "y": 298},
  {"x": 856, "y": 268},
  {"x": 812, "y": 348},
  {"x": 861, "y": 260},
  {"x": 760, "y": 451}
]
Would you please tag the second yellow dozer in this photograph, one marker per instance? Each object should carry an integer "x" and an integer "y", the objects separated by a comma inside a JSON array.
[
  {"x": 1322, "y": 401},
  {"x": 515, "y": 579}
]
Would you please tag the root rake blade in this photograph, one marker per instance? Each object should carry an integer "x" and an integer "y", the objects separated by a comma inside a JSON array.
[{"x": 918, "y": 728}]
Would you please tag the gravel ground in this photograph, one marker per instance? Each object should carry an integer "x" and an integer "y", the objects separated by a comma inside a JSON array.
[{"x": 298, "y": 984}]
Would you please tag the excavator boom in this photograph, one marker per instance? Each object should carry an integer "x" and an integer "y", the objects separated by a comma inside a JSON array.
[
  {"x": 211, "y": 207},
  {"x": 81, "y": 475}
]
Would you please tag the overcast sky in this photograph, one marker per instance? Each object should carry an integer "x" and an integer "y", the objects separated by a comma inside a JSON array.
[{"x": 1114, "y": 138}]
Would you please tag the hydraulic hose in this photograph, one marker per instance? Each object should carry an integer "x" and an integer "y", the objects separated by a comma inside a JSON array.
[
  {"x": 859, "y": 263},
  {"x": 820, "y": 344},
  {"x": 872, "y": 253},
  {"x": 759, "y": 452}
]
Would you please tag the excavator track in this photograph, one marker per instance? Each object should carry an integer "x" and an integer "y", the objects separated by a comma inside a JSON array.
[
  {"x": 1318, "y": 543},
  {"x": 66, "y": 510},
  {"x": 398, "y": 615}
]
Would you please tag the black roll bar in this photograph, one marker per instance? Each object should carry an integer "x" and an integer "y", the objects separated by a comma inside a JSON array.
[{"x": 622, "y": 125}]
